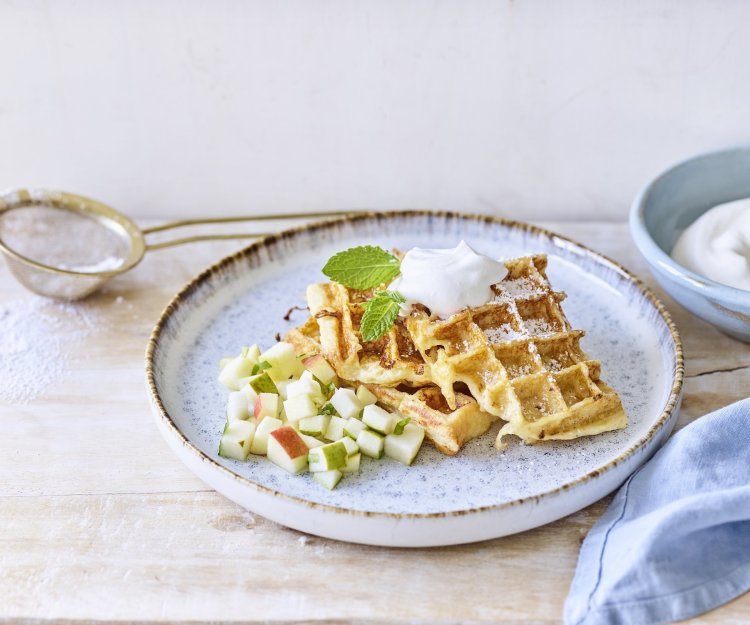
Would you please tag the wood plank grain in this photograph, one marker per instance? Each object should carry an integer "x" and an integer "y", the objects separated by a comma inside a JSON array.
[{"x": 100, "y": 522}]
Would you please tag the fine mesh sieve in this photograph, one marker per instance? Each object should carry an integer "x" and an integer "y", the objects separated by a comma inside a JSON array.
[{"x": 66, "y": 246}]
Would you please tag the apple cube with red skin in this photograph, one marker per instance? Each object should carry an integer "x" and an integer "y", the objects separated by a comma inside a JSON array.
[
  {"x": 266, "y": 405},
  {"x": 287, "y": 450},
  {"x": 320, "y": 368}
]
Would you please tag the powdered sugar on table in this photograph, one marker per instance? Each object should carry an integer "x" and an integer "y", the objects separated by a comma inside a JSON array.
[{"x": 36, "y": 338}]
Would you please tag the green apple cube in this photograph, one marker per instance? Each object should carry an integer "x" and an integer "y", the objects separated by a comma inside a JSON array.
[
  {"x": 320, "y": 368},
  {"x": 351, "y": 447},
  {"x": 404, "y": 447},
  {"x": 311, "y": 441},
  {"x": 260, "y": 440},
  {"x": 299, "y": 407},
  {"x": 314, "y": 426},
  {"x": 237, "y": 408},
  {"x": 327, "y": 457},
  {"x": 252, "y": 353},
  {"x": 237, "y": 439},
  {"x": 244, "y": 383},
  {"x": 287, "y": 450},
  {"x": 266, "y": 405},
  {"x": 345, "y": 401},
  {"x": 223, "y": 363},
  {"x": 329, "y": 479},
  {"x": 335, "y": 429},
  {"x": 281, "y": 387},
  {"x": 352, "y": 464},
  {"x": 353, "y": 428},
  {"x": 306, "y": 385},
  {"x": 370, "y": 444},
  {"x": 284, "y": 362},
  {"x": 378, "y": 419},
  {"x": 365, "y": 396},
  {"x": 262, "y": 383},
  {"x": 233, "y": 371}
]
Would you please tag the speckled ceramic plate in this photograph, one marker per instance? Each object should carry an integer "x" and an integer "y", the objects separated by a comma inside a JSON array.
[{"x": 439, "y": 500}]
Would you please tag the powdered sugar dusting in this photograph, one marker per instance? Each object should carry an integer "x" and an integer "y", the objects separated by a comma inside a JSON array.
[
  {"x": 519, "y": 289},
  {"x": 539, "y": 327},
  {"x": 504, "y": 333},
  {"x": 35, "y": 343}
]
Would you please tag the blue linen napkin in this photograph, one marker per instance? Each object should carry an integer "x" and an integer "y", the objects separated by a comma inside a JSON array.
[{"x": 675, "y": 541}]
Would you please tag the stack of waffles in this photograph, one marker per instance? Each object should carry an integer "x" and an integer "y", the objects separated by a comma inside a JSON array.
[{"x": 515, "y": 359}]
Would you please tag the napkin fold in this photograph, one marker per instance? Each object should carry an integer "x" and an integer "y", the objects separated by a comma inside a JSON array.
[{"x": 675, "y": 541}]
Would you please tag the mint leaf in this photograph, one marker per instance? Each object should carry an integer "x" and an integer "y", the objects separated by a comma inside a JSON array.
[
  {"x": 327, "y": 389},
  {"x": 399, "y": 429},
  {"x": 363, "y": 267},
  {"x": 329, "y": 410},
  {"x": 261, "y": 366},
  {"x": 380, "y": 314}
]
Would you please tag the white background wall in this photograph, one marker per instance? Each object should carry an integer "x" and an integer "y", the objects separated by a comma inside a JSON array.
[{"x": 526, "y": 108}]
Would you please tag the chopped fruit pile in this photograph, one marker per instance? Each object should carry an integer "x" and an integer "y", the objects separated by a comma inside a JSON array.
[{"x": 293, "y": 410}]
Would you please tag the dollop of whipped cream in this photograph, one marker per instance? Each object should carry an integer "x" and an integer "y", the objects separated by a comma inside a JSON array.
[
  {"x": 447, "y": 280},
  {"x": 717, "y": 244}
]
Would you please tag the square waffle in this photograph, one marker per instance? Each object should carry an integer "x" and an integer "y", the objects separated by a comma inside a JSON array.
[
  {"x": 519, "y": 358},
  {"x": 447, "y": 428},
  {"x": 391, "y": 360}
]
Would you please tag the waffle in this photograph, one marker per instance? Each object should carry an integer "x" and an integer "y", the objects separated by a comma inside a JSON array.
[
  {"x": 520, "y": 359},
  {"x": 447, "y": 428},
  {"x": 391, "y": 360}
]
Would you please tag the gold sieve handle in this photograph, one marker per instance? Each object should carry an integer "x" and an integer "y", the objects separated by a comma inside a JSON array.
[{"x": 225, "y": 220}]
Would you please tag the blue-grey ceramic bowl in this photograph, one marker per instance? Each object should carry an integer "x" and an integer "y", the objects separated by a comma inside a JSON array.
[{"x": 668, "y": 205}]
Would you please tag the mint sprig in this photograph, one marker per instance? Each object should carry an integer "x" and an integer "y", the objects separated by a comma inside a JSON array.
[
  {"x": 363, "y": 267},
  {"x": 380, "y": 314}
]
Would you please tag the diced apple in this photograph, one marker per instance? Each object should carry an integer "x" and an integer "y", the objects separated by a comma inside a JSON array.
[
  {"x": 352, "y": 464},
  {"x": 266, "y": 405},
  {"x": 314, "y": 426},
  {"x": 281, "y": 387},
  {"x": 223, "y": 363},
  {"x": 329, "y": 479},
  {"x": 252, "y": 353},
  {"x": 237, "y": 406},
  {"x": 233, "y": 371},
  {"x": 351, "y": 447},
  {"x": 404, "y": 447},
  {"x": 353, "y": 427},
  {"x": 320, "y": 368},
  {"x": 365, "y": 396},
  {"x": 262, "y": 383},
  {"x": 299, "y": 407},
  {"x": 287, "y": 450},
  {"x": 345, "y": 401},
  {"x": 237, "y": 440},
  {"x": 260, "y": 440},
  {"x": 249, "y": 393},
  {"x": 306, "y": 385},
  {"x": 378, "y": 419},
  {"x": 335, "y": 429},
  {"x": 370, "y": 444},
  {"x": 284, "y": 362},
  {"x": 327, "y": 457},
  {"x": 311, "y": 441}
]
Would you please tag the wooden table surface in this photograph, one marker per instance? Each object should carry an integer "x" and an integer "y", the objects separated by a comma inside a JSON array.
[{"x": 99, "y": 520}]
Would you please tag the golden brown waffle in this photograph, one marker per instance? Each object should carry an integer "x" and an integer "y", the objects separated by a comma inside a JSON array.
[
  {"x": 448, "y": 429},
  {"x": 391, "y": 360},
  {"x": 520, "y": 360}
]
